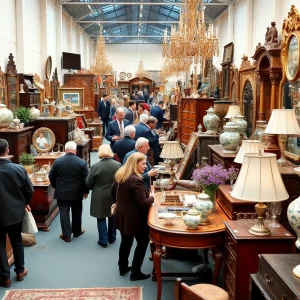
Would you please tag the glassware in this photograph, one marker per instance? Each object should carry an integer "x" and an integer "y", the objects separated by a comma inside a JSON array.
[{"x": 275, "y": 210}]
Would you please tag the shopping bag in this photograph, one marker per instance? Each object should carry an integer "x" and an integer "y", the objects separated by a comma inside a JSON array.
[{"x": 29, "y": 225}]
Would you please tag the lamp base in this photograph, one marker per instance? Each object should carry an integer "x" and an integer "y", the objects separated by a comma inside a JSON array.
[
  {"x": 259, "y": 228},
  {"x": 296, "y": 271}
]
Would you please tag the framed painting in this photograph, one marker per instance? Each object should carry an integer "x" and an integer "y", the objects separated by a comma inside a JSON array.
[
  {"x": 190, "y": 148},
  {"x": 228, "y": 54},
  {"x": 292, "y": 69},
  {"x": 3, "y": 91},
  {"x": 71, "y": 96}
]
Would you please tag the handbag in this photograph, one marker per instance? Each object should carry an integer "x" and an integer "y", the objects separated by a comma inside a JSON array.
[
  {"x": 29, "y": 225},
  {"x": 113, "y": 208}
]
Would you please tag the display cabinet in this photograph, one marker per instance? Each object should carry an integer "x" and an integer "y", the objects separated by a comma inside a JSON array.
[
  {"x": 123, "y": 86},
  {"x": 31, "y": 95},
  {"x": 141, "y": 84},
  {"x": 83, "y": 151},
  {"x": 12, "y": 83}
]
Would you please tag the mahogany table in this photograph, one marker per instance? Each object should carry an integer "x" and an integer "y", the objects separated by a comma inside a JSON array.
[{"x": 179, "y": 236}]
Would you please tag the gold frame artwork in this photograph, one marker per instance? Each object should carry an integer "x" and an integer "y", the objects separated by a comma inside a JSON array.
[
  {"x": 3, "y": 94},
  {"x": 289, "y": 61},
  {"x": 65, "y": 92},
  {"x": 36, "y": 135},
  {"x": 190, "y": 148}
]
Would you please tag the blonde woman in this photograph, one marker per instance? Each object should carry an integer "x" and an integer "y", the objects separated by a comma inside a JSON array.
[
  {"x": 133, "y": 202},
  {"x": 99, "y": 180}
]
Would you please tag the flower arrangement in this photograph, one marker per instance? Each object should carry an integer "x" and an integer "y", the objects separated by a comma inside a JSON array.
[{"x": 233, "y": 173}]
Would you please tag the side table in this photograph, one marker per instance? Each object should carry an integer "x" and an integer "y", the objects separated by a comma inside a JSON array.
[
  {"x": 217, "y": 156},
  {"x": 241, "y": 254}
]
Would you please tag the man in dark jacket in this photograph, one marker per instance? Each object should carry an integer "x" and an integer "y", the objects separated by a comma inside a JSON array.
[
  {"x": 16, "y": 191},
  {"x": 103, "y": 111},
  {"x": 158, "y": 113},
  {"x": 68, "y": 176},
  {"x": 130, "y": 112},
  {"x": 122, "y": 147}
]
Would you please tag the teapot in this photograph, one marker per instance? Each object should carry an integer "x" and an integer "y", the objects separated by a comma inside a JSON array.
[{"x": 192, "y": 218}]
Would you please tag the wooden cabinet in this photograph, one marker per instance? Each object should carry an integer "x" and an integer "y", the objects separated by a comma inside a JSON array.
[
  {"x": 63, "y": 128},
  {"x": 190, "y": 114},
  {"x": 202, "y": 145},
  {"x": 31, "y": 95},
  {"x": 43, "y": 205},
  {"x": 275, "y": 279},
  {"x": 241, "y": 254},
  {"x": 216, "y": 156},
  {"x": 83, "y": 151},
  {"x": 19, "y": 141},
  {"x": 123, "y": 86},
  {"x": 86, "y": 81}
]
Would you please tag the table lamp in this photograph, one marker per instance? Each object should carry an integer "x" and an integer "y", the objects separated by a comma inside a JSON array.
[
  {"x": 248, "y": 146},
  {"x": 282, "y": 122},
  {"x": 233, "y": 110},
  {"x": 171, "y": 151},
  {"x": 259, "y": 181}
]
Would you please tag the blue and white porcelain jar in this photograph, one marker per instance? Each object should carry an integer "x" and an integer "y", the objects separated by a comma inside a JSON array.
[
  {"x": 205, "y": 207},
  {"x": 230, "y": 138},
  {"x": 293, "y": 214},
  {"x": 211, "y": 121},
  {"x": 192, "y": 218},
  {"x": 241, "y": 124}
]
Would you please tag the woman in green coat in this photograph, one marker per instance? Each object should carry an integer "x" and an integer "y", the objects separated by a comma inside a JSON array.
[{"x": 100, "y": 180}]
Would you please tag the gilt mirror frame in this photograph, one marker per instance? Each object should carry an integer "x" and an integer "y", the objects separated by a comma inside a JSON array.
[
  {"x": 3, "y": 90},
  {"x": 290, "y": 32},
  {"x": 47, "y": 134}
]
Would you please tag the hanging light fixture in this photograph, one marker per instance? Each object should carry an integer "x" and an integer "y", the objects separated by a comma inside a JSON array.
[{"x": 141, "y": 72}]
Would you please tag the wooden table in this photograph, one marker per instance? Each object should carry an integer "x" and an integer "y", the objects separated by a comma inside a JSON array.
[
  {"x": 179, "y": 236},
  {"x": 44, "y": 159}
]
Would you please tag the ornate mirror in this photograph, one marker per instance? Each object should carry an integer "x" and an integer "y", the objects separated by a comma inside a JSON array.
[
  {"x": 12, "y": 83},
  {"x": 2, "y": 87},
  {"x": 43, "y": 139},
  {"x": 292, "y": 68},
  {"x": 248, "y": 105},
  {"x": 48, "y": 68}
]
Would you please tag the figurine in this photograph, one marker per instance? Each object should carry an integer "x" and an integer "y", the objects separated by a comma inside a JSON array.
[
  {"x": 205, "y": 89},
  {"x": 217, "y": 93},
  {"x": 271, "y": 36},
  {"x": 21, "y": 89},
  {"x": 200, "y": 128}
]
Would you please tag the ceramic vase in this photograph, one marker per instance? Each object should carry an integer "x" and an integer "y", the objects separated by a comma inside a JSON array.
[
  {"x": 16, "y": 122},
  {"x": 6, "y": 116},
  {"x": 211, "y": 121},
  {"x": 191, "y": 218},
  {"x": 230, "y": 138},
  {"x": 241, "y": 124},
  {"x": 212, "y": 197},
  {"x": 34, "y": 113},
  {"x": 293, "y": 214},
  {"x": 205, "y": 207}
]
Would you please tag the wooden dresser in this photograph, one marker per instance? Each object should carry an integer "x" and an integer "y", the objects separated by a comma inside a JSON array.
[
  {"x": 217, "y": 156},
  {"x": 190, "y": 114},
  {"x": 43, "y": 205},
  {"x": 19, "y": 141},
  {"x": 241, "y": 254},
  {"x": 83, "y": 151},
  {"x": 63, "y": 128},
  {"x": 275, "y": 279}
]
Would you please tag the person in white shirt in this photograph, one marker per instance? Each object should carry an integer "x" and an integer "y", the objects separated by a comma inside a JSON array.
[{"x": 42, "y": 141}]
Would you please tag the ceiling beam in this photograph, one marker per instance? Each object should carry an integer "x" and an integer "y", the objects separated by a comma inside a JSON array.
[
  {"x": 139, "y": 3},
  {"x": 130, "y": 22}
]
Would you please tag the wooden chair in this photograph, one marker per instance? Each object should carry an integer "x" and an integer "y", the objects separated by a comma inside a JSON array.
[{"x": 198, "y": 292}]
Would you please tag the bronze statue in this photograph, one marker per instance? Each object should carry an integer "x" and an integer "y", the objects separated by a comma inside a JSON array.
[{"x": 271, "y": 36}]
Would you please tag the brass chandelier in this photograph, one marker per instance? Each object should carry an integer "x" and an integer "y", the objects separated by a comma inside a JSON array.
[
  {"x": 102, "y": 66},
  {"x": 141, "y": 71}
]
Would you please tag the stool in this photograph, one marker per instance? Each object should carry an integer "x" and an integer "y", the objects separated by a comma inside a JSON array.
[{"x": 199, "y": 292}]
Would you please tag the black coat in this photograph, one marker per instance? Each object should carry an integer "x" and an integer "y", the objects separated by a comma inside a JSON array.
[
  {"x": 158, "y": 113},
  {"x": 122, "y": 147},
  {"x": 133, "y": 203},
  {"x": 68, "y": 176},
  {"x": 113, "y": 129},
  {"x": 129, "y": 115},
  {"x": 15, "y": 192},
  {"x": 103, "y": 109}
]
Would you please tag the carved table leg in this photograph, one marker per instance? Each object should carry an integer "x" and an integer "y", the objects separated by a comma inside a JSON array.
[
  {"x": 157, "y": 264},
  {"x": 218, "y": 257}
]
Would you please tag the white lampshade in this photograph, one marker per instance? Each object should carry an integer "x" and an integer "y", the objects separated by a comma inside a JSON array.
[
  {"x": 248, "y": 146},
  {"x": 259, "y": 179},
  {"x": 283, "y": 121},
  {"x": 233, "y": 110},
  {"x": 171, "y": 150}
]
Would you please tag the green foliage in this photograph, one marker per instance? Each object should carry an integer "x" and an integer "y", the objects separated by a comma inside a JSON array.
[
  {"x": 22, "y": 113},
  {"x": 26, "y": 159}
]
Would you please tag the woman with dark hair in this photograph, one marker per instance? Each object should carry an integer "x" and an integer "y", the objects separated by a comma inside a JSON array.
[{"x": 133, "y": 202}]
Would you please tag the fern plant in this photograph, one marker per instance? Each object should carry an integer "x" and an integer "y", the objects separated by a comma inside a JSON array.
[{"x": 22, "y": 113}]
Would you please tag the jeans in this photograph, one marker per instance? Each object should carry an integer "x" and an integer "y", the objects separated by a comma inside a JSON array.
[
  {"x": 14, "y": 234},
  {"x": 139, "y": 252},
  {"x": 106, "y": 234}
]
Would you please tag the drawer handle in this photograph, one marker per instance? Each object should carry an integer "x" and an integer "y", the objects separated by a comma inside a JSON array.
[{"x": 268, "y": 280}]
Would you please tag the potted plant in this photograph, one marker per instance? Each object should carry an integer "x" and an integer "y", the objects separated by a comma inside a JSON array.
[
  {"x": 22, "y": 113},
  {"x": 27, "y": 160}
]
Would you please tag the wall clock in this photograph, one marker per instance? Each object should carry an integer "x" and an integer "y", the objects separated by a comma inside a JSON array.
[
  {"x": 122, "y": 75},
  {"x": 129, "y": 75}
]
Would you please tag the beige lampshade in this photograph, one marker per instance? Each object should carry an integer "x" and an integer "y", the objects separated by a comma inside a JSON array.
[
  {"x": 283, "y": 121},
  {"x": 171, "y": 150},
  {"x": 259, "y": 179},
  {"x": 233, "y": 110},
  {"x": 248, "y": 146}
]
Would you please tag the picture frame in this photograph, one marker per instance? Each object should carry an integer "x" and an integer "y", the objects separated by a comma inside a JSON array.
[
  {"x": 72, "y": 96},
  {"x": 43, "y": 139},
  {"x": 292, "y": 65},
  {"x": 190, "y": 148},
  {"x": 228, "y": 54},
  {"x": 3, "y": 91}
]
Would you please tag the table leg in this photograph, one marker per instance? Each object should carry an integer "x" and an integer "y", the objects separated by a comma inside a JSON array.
[
  {"x": 218, "y": 257},
  {"x": 157, "y": 265}
]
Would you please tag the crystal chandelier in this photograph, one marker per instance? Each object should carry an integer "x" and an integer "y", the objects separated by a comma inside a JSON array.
[
  {"x": 102, "y": 66},
  {"x": 141, "y": 71}
]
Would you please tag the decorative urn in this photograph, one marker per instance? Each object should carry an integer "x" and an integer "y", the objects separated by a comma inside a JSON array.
[
  {"x": 230, "y": 138},
  {"x": 211, "y": 121},
  {"x": 34, "y": 113},
  {"x": 241, "y": 124},
  {"x": 192, "y": 218},
  {"x": 6, "y": 116},
  {"x": 205, "y": 207}
]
